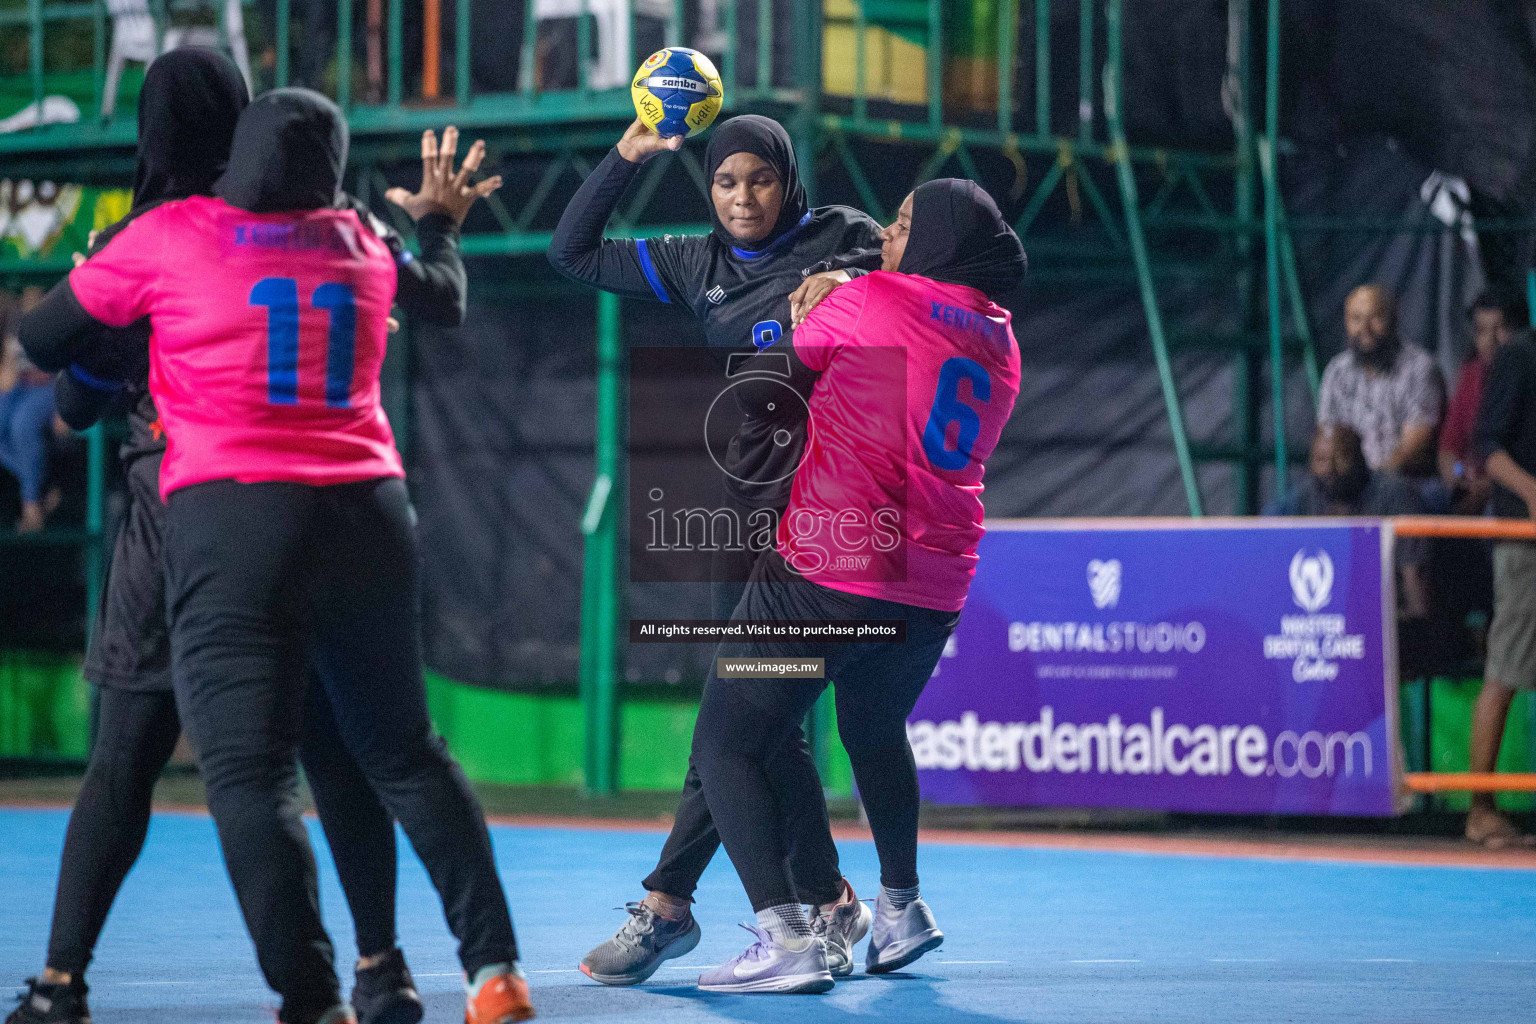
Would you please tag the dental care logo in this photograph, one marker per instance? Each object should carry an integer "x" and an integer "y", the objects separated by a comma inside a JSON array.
[
  {"x": 1114, "y": 637},
  {"x": 1313, "y": 643},
  {"x": 1311, "y": 581},
  {"x": 1104, "y": 582}
]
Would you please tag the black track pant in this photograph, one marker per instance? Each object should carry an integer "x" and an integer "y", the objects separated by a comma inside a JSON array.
[
  {"x": 261, "y": 578},
  {"x": 743, "y": 723},
  {"x": 136, "y": 734},
  {"x": 810, "y": 852}
]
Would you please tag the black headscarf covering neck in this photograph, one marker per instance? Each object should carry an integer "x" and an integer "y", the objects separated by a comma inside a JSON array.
[
  {"x": 189, "y": 104},
  {"x": 959, "y": 236},
  {"x": 766, "y": 138},
  {"x": 191, "y": 99},
  {"x": 288, "y": 154}
]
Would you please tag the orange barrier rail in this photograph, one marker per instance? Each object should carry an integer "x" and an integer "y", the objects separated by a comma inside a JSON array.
[
  {"x": 1475, "y": 782},
  {"x": 1479, "y": 527},
  {"x": 1464, "y": 526}
]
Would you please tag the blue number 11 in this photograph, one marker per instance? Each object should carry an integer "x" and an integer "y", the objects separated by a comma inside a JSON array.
[{"x": 280, "y": 295}]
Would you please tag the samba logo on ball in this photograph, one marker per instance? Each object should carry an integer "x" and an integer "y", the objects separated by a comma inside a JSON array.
[{"x": 677, "y": 91}]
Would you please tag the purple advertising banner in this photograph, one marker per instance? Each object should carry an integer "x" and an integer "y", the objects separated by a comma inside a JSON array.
[{"x": 1236, "y": 667}]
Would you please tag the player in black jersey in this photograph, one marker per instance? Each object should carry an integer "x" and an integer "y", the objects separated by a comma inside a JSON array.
[
  {"x": 737, "y": 281},
  {"x": 188, "y": 108}
]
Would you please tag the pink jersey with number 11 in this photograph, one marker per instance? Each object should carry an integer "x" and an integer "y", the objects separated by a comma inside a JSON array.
[
  {"x": 917, "y": 379},
  {"x": 268, "y": 336}
]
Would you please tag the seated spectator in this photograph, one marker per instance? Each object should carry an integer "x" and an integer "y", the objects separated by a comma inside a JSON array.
[
  {"x": 1342, "y": 484},
  {"x": 1461, "y": 468},
  {"x": 1389, "y": 393},
  {"x": 26, "y": 418},
  {"x": 1506, "y": 438}
]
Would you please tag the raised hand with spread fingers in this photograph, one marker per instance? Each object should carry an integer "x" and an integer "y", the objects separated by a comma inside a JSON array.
[{"x": 442, "y": 189}]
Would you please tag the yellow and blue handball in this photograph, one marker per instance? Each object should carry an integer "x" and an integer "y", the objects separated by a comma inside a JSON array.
[{"x": 677, "y": 92}]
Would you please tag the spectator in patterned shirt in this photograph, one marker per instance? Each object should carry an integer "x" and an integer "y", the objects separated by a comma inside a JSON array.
[
  {"x": 1494, "y": 319},
  {"x": 1388, "y": 392}
]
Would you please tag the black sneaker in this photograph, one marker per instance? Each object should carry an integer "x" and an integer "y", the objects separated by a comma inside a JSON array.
[
  {"x": 51, "y": 1004},
  {"x": 386, "y": 993}
]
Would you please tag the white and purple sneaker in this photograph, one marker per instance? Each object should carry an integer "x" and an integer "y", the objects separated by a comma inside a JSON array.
[
  {"x": 769, "y": 966},
  {"x": 898, "y": 937}
]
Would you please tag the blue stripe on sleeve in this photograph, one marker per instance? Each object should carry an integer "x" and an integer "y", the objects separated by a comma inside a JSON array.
[
  {"x": 650, "y": 271},
  {"x": 92, "y": 381}
]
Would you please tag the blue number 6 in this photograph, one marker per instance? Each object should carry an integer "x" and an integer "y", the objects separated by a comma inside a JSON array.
[
  {"x": 947, "y": 409},
  {"x": 281, "y": 297}
]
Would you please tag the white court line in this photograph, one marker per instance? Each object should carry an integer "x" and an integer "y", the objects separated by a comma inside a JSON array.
[
  {"x": 1380, "y": 960},
  {"x": 143, "y": 984},
  {"x": 1103, "y": 961},
  {"x": 1242, "y": 960},
  {"x": 972, "y": 961},
  {"x": 556, "y": 970},
  {"x": 691, "y": 967}
]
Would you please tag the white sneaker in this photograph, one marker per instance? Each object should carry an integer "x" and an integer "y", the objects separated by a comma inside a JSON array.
[
  {"x": 767, "y": 966},
  {"x": 900, "y": 936},
  {"x": 840, "y": 929}
]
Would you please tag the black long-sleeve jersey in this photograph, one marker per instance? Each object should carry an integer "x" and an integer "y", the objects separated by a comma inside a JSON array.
[
  {"x": 112, "y": 365},
  {"x": 739, "y": 298}
]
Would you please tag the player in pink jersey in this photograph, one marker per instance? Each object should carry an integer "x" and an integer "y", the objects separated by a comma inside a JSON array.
[
  {"x": 189, "y": 105},
  {"x": 919, "y": 372},
  {"x": 289, "y": 534}
]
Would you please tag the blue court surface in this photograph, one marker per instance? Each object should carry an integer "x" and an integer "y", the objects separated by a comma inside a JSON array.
[{"x": 1034, "y": 935}]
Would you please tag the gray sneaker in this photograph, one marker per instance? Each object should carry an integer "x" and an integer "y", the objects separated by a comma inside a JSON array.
[
  {"x": 841, "y": 930},
  {"x": 645, "y": 942},
  {"x": 766, "y": 966},
  {"x": 900, "y": 936}
]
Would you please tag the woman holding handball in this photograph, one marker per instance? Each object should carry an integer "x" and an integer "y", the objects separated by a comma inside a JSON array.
[{"x": 737, "y": 281}]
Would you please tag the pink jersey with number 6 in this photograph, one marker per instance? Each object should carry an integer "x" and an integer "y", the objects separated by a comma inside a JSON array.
[
  {"x": 917, "y": 379},
  {"x": 269, "y": 332}
]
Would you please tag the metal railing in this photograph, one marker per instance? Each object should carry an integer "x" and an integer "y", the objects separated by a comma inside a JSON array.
[{"x": 37, "y": 15}]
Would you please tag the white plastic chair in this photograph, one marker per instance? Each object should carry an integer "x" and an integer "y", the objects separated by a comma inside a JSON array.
[
  {"x": 133, "y": 38},
  {"x": 613, "y": 65}
]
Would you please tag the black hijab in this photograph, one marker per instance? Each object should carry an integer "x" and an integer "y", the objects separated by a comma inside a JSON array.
[
  {"x": 766, "y": 138},
  {"x": 190, "y": 101},
  {"x": 289, "y": 151},
  {"x": 189, "y": 104},
  {"x": 959, "y": 236}
]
